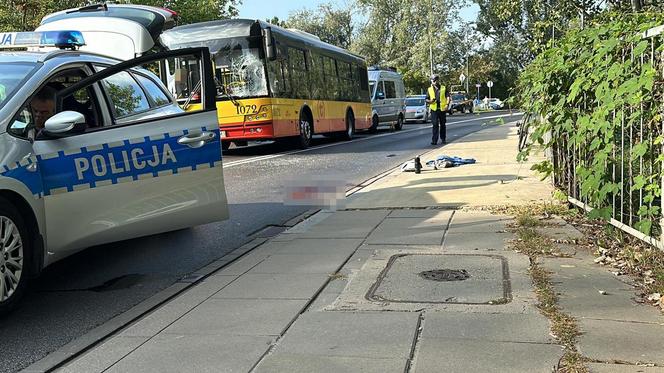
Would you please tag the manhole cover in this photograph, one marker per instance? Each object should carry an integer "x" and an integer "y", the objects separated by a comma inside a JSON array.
[
  {"x": 445, "y": 275},
  {"x": 443, "y": 278}
]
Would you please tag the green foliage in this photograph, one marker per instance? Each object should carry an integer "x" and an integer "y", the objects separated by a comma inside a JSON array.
[
  {"x": 25, "y": 15},
  {"x": 594, "y": 94},
  {"x": 399, "y": 33},
  {"x": 331, "y": 25}
]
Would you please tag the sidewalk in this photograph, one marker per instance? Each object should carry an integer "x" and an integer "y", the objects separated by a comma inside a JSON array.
[{"x": 349, "y": 291}]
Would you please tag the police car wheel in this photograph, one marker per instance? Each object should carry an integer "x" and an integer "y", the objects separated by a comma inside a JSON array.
[{"x": 15, "y": 253}]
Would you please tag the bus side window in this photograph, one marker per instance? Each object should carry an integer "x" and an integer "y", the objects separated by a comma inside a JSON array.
[
  {"x": 286, "y": 78},
  {"x": 317, "y": 72}
]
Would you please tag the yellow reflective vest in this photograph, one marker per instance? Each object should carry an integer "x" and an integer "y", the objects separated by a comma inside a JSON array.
[{"x": 443, "y": 100}]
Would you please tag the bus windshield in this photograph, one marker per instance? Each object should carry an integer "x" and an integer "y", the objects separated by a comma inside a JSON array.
[{"x": 240, "y": 72}]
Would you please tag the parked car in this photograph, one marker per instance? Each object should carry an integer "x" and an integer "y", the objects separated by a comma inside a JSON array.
[
  {"x": 496, "y": 104},
  {"x": 388, "y": 96},
  {"x": 459, "y": 101},
  {"x": 417, "y": 109}
]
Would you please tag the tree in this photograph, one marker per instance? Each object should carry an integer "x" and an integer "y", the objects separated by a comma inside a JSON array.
[
  {"x": 25, "y": 15},
  {"x": 331, "y": 25},
  {"x": 403, "y": 33}
]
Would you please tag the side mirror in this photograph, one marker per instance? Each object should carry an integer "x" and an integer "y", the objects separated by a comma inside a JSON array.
[
  {"x": 380, "y": 96},
  {"x": 270, "y": 48},
  {"x": 63, "y": 122}
]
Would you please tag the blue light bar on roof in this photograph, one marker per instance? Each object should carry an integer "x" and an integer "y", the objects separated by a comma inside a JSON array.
[{"x": 59, "y": 39}]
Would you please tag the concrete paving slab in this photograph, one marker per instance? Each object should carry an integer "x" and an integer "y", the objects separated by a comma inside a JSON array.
[
  {"x": 244, "y": 264},
  {"x": 316, "y": 246},
  {"x": 195, "y": 353},
  {"x": 622, "y": 368},
  {"x": 532, "y": 328},
  {"x": 300, "y": 363},
  {"x": 238, "y": 317},
  {"x": 479, "y": 222},
  {"x": 274, "y": 286},
  {"x": 325, "y": 263},
  {"x": 354, "y": 296},
  {"x": 346, "y": 224},
  {"x": 409, "y": 231},
  {"x": 487, "y": 280},
  {"x": 579, "y": 284},
  {"x": 477, "y": 241},
  {"x": 421, "y": 213},
  {"x": 449, "y": 355},
  {"x": 370, "y": 335},
  {"x": 161, "y": 318},
  {"x": 104, "y": 356},
  {"x": 607, "y": 340}
]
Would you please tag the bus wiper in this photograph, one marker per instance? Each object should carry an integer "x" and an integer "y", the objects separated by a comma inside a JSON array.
[{"x": 224, "y": 90}]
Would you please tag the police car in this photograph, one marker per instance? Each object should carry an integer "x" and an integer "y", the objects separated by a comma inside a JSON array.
[{"x": 95, "y": 150}]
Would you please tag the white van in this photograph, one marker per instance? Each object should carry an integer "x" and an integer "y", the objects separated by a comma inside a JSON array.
[{"x": 388, "y": 98}]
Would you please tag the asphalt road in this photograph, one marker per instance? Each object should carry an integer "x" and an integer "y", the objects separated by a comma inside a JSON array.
[{"x": 86, "y": 290}]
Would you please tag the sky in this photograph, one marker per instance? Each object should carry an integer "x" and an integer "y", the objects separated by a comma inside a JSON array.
[{"x": 262, "y": 9}]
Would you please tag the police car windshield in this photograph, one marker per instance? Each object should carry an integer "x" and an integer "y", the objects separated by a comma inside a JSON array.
[
  {"x": 458, "y": 97},
  {"x": 415, "y": 102},
  {"x": 11, "y": 77}
]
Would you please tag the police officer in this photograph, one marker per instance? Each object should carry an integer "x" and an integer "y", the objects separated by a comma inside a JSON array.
[{"x": 437, "y": 100}]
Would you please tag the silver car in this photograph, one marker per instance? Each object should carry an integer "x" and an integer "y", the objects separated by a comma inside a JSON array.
[
  {"x": 417, "y": 109},
  {"x": 94, "y": 150}
]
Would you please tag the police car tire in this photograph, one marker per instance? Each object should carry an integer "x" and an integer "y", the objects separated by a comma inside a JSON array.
[{"x": 8, "y": 210}]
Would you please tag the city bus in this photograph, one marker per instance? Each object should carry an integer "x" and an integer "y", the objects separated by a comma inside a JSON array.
[{"x": 274, "y": 83}]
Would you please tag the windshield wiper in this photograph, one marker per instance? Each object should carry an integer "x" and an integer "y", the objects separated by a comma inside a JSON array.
[
  {"x": 224, "y": 90},
  {"x": 196, "y": 89}
]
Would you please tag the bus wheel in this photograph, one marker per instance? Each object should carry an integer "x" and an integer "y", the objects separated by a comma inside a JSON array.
[
  {"x": 399, "y": 125},
  {"x": 350, "y": 127},
  {"x": 306, "y": 133},
  {"x": 374, "y": 124},
  {"x": 15, "y": 254},
  {"x": 225, "y": 145}
]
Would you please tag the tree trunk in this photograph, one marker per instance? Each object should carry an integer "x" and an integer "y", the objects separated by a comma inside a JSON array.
[{"x": 637, "y": 5}]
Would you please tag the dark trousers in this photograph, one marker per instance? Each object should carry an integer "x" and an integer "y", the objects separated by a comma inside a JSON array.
[{"x": 439, "y": 120}]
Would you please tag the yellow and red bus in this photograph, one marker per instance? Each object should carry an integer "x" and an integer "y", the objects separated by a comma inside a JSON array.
[{"x": 275, "y": 83}]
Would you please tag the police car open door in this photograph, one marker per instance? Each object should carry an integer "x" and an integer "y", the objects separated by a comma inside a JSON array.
[{"x": 140, "y": 165}]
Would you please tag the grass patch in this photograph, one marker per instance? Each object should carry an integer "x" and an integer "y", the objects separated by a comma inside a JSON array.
[{"x": 563, "y": 326}]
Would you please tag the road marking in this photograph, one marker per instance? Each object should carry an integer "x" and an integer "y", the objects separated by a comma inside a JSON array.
[{"x": 278, "y": 155}]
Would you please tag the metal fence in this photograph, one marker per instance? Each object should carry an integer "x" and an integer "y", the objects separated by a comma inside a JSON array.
[{"x": 623, "y": 168}]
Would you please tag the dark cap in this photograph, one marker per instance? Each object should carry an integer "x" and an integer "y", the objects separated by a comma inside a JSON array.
[{"x": 434, "y": 77}]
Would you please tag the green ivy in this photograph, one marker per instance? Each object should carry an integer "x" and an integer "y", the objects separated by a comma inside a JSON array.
[{"x": 589, "y": 88}]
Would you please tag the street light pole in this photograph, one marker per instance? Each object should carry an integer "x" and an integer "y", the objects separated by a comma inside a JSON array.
[
  {"x": 430, "y": 37},
  {"x": 467, "y": 72}
]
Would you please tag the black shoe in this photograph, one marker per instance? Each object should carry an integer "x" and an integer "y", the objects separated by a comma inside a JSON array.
[
  {"x": 443, "y": 142},
  {"x": 434, "y": 143}
]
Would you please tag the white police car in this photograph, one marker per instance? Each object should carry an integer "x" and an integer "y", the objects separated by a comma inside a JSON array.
[{"x": 94, "y": 150}]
